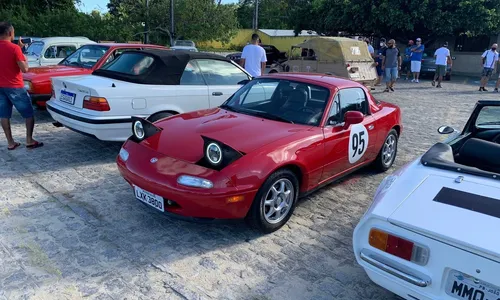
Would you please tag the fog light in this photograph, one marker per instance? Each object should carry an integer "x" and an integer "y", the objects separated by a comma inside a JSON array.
[
  {"x": 123, "y": 154},
  {"x": 194, "y": 182}
]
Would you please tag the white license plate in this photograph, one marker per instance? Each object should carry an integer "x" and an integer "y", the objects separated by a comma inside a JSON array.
[
  {"x": 462, "y": 286},
  {"x": 67, "y": 97},
  {"x": 149, "y": 198},
  {"x": 354, "y": 75}
]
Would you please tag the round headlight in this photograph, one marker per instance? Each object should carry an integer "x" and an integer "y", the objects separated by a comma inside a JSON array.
[
  {"x": 27, "y": 85},
  {"x": 139, "y": 130},
  {"x": 214, "y": 153}
]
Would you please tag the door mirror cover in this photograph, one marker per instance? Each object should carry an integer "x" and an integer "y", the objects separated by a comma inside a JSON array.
[
  {"x": 446, "y": 130},
  {"x": 353, "y": 117}
]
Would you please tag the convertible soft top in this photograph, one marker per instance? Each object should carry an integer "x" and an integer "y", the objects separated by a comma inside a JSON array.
[{"x": 166, "y": 69}]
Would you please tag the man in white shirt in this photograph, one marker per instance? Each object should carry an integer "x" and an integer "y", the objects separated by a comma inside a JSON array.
[
  {"x": 489, "y": 62},
  {"x": 253, "y": 58},
  {"x": 442, "y": 57}
]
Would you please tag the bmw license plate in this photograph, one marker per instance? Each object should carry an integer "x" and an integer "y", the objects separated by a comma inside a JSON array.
[
  {"x": 462, "y": 286},
  {"x": 67, "y": 97},
  {"x": 149, "y": 198}
]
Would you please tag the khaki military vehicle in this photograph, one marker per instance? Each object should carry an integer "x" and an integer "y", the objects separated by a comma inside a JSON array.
[{"x": 342, "y": 57}]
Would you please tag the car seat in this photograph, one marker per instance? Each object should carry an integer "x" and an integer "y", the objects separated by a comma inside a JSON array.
[{"x": 481, "y": 154}]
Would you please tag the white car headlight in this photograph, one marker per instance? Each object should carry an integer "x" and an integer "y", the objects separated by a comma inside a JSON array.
[
  {"x": 123, "y": 154},
  {"x": 214, "y": 153},
  {"x": 194, "y": 182},
  {"x": 27, "y": 85},
  {"x": 139, "y": 130}
]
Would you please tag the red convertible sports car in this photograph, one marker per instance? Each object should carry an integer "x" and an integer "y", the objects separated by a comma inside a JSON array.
[{"x": 276, "y": 139}]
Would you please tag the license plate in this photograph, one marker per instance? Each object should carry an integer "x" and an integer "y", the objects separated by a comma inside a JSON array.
[
  {"x": 354, "y": 75},
  {"x": 462, "y": 286},
  {"x": 149, "y": 198},
  {"x": 67, "y": 97}
]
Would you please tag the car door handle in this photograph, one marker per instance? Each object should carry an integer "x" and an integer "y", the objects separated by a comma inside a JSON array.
[
  {"x": 217, "y": 94},
  {"x": 371, "y": 127}
]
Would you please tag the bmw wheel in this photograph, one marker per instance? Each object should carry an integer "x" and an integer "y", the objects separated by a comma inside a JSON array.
[
  {"x": 387, "y": 154},
  {"x": 275, "y": 201}
]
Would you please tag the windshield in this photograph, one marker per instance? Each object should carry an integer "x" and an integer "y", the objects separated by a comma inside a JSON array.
[
  {"x": 489, "y": 118},
  {"x": 85, "y": 57},
  {"x": 131, "y": 63},
  {"x": 35, "y": 49},
  {"x": 184, "y": 43},
  {"x": 281, "y": 100}
]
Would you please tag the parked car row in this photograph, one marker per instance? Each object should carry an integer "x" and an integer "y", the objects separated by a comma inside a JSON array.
[{"x": 205, "y": 140}]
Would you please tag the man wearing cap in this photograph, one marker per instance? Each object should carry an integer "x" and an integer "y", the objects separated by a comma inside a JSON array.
[
  {"x": 406, "y": 67},
  {"x": 442, "y": 57},
  {"x": 416, "y": 59}
]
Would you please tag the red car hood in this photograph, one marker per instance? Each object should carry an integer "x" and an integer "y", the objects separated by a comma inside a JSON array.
[
  {"x": 50, "y": 71},
  {"x": 181, "y": 135}
]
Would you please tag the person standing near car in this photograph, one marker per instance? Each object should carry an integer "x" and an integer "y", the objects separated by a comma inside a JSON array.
[
  {"x": 253, "y": 57},
  {"x": 442, "y": 57},
  {"x": 391, "y": 64},
  {"x": 406, "y": 67},
  {"x": 12, "y": 92},
  {"x": 489, "y": 61},
  {"x": 380, "y": 71},
  {"x": 416, "y": 59}
]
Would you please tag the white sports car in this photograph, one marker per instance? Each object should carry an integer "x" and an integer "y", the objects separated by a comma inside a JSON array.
[
  {"x": 432, "y": 229},
  {"x": 152, "y": 84}
]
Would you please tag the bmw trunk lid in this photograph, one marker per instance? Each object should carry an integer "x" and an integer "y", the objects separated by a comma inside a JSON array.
[{"x": 460, "y": 210}]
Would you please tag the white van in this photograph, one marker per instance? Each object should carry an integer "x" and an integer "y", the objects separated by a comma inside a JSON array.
[{"x": 52, "y": 50}]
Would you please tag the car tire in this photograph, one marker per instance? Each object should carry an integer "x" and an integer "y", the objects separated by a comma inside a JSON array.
[
  {"x": 390, "y": 146},
  {"x": 273, "y": 71},
  {"x": 158, "y": 116},
  {"x": 282, "y": 181}
]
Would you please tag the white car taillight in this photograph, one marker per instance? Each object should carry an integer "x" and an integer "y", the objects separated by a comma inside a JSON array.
[{"x": 398, "y": 246}]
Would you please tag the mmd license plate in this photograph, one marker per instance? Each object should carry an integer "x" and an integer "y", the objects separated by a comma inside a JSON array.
[
  {"x": 149, "y": 198},
  {"x": 462, "y": 286},
  {"x": 67, "y": 97}
]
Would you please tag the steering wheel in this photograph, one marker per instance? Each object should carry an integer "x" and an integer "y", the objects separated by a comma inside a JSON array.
[
  {"x": 496, "y": 139},
  {"x": 307, "y": 109}
]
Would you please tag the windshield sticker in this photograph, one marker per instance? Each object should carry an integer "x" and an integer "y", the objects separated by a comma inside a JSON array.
[
  {"x": 358, "y": 142},
  {"x": 355, "y": 51}
]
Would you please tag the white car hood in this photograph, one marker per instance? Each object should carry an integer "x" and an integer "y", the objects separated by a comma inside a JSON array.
[{"x": 466, "y": 214}]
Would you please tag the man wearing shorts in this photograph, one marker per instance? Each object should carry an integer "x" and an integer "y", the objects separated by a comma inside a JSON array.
[
  {"x": 391, "y": 64},
  {"x": 416, "y": 59},
  {"x": 489, "y": 62},
  {"x": 406, "y": 67},
  {"x": 442, "y": 57},
  {"x": 12, "y": 91},
  {"x": 378, "y": 60}
]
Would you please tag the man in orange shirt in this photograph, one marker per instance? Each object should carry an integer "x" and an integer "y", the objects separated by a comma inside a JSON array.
[{"x": 12, "y": 92}]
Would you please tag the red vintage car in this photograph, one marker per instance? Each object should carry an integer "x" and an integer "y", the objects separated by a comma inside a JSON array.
[
  {"x": 276, "y": 139},
  {"x": 82, "y": 62}
]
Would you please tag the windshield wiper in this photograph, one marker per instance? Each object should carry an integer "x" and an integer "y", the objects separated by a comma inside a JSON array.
[
  {"x": 270, "y": 116},
  {"x": 230, "y": 108}
]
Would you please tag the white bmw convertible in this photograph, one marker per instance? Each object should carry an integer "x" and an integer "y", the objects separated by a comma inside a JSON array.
[
  {"x": 432, "y": 231},
  {"x": 152, "y": 84}
]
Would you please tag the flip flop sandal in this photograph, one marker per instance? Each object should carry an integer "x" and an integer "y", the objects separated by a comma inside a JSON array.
[
  {"x": 35, "y": 145},
  {"x": 15, "y": 146}
]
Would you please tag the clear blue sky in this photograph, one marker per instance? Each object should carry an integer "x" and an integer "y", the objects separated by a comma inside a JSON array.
[{"x": 89, "y": 5}]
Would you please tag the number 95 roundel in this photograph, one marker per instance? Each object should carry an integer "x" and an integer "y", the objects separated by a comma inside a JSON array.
[{"x": 358, "y": 142}]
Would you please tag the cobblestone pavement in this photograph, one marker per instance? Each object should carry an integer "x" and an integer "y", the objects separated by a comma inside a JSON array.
[{"x": 70, "y": 227}]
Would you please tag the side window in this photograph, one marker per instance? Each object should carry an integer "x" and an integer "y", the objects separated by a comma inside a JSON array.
[
  {"x": 353, "y": 99},
  {"x": 334, "y": 116},
  {"x": 59, "y": 51},
  {"x": 192, "y": 75},
  {"x": 117, "y": 53},
  {"x": 219, "y": 72}
]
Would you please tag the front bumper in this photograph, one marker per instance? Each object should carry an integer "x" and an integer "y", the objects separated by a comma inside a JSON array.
[
  {"x": 39, "y": 99},
  {"x": 115, "y": 130},
  {"x": 160, "y": 178}
]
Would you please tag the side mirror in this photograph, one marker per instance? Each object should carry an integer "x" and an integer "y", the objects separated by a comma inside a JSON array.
[
  {"x": 352, "y": 117},
  {"x": 446, "y": 130}
]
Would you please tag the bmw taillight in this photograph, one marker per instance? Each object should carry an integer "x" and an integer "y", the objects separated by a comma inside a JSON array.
[
  {"x": 96, "y": 103},
  {"x": 398, "y": 246}
]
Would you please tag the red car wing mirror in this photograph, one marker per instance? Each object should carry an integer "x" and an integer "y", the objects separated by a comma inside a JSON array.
[{"x": 352, "y": 117}]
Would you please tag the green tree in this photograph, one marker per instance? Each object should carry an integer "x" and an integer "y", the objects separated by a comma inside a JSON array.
[{"x": 400, "y": 18}]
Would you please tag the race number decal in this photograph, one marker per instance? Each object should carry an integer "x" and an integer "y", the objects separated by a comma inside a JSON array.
[{"x": 358, "y": 142}]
